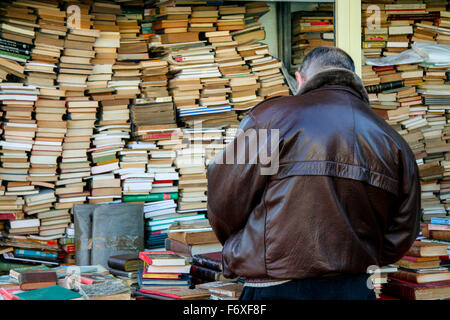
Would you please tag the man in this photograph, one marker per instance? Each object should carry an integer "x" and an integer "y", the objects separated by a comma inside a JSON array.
[{"x": 344, "y": 195}]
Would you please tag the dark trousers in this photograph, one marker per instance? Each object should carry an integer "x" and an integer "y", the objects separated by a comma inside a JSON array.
[{"x": 341, "y": 287}]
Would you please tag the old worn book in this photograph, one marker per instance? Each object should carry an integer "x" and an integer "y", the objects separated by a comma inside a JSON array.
[
  {"x": 126, "y": 262},
  {"x": 423, "y": 275},
  {"x": 412, "y": 291},
  {"x": 427, "y": 249},
  {"x": 32, "y": 280}
]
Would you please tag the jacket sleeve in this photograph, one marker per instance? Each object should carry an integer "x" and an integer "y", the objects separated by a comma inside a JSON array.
[
  {"x": 404, "y": 227},
  {"x": 235, "y": 187}
]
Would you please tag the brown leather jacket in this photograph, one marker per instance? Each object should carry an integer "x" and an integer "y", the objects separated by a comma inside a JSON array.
[{"x": 346, "y": 194}]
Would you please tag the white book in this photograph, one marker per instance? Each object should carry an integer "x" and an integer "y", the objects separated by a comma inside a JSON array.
[{"x": 25, "y": 223}]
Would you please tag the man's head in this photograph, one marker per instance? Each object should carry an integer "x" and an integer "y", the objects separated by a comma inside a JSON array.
[{"x": 320, "y": 59}]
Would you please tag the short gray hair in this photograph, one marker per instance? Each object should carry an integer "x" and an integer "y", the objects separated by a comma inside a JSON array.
[{"x": 322, "y": 58}]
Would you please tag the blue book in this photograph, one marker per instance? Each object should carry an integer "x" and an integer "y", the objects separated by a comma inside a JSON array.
[
  {"x": 444, "y": 221},
  {"x": 36, "y": 254}
]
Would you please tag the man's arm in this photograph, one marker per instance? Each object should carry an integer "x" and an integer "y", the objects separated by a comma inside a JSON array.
[
  {"x": 404, "y": 227},
  {"x": 235, "y": 186}
]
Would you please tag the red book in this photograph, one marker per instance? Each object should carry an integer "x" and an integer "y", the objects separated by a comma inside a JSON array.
[
  {"x": 7, "y": 293},
  {"x": 419, "y": 259},
  {"x": 158, "y": 135},
  {"x": 162, "y": 181},
  {"x": 412, "y": 291},
  {"x": 320, "y": 23},
  {"x": 7, "y": 216},
  {"x": 162, "y": 258}
]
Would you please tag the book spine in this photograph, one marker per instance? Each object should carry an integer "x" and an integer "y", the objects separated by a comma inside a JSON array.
[
  {"x": 205, "y": 273},
  {"x": 151, "y": 197},
  {"x": 399, "y": 290},
  {"x": 176, "y": 246},
  {"x": 13, "y": 54},
  {"x": 116, "y": 264},
  {"x": 14, "y": 44},
  {"x": 377, "y": 88},
  {"x": 440, "y": 235},
  {"x": 36, "y": 254},
  {"x": 14, "y": 50},
  {"x": 207, "y": 263}
]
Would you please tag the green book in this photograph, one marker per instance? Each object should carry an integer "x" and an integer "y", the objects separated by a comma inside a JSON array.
[
  {"x": 151, "y": 197},
  {"x": 6, "y": 266},
  {"x": 13, "y": 54},
  {"x": 111, "y": 157},
  {"x": 49, "y": 293}
]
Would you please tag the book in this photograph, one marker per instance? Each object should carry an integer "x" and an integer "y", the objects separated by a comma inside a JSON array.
[
  {"x": 189, "y": 249},
  {"x": 413, "y": 291},
  {"x": 211, "y": 260},
  {"x": 50, "y": 293},
  {"x": 31, "y": 280},
  {"x": 125, "y": 262},
  {"x": 162, "y": 258},
  {"x": 424, "y": 249}
]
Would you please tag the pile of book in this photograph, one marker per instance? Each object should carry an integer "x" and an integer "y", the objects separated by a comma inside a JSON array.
[
  {"x": 192, "y": 237},
  {"x": 421, "y": 274},
  {"x": 125, "y": 267},
  {"x": 395, "y": 25},
  {"x": 311, "y": 29},
  {"x": 158, "y": 226},
  {"x": 40, "y": 282},
  {"x": 411, "y": 98},
  {"x": 162, "y": 269}
]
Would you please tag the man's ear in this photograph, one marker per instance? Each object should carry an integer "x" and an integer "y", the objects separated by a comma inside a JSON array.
[{"x": 300, "y": 79}]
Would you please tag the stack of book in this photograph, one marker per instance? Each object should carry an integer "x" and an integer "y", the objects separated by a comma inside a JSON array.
[
  {"x": 163, "y": 268},
  {"x": 203, "y": 19},
  {"x": 191, "y": 235},
  {"x": 191, "y": 164},
  {"x": 125, "y": 267},
  {"x": 231, "y": 17},
  {"x": 420, "y": 275},
  {"x": 54, "y": 223},
  {"x": 18, "y": 30},
  {"x": 438, "y": 230},
  {"x": 19, "y": 129},
  {"x": 136, "y": 180},
  {"x": 310, "y": 29},
  {"x": 154, "y": 81},
  {"x": 157, "y": 227},
  {"x": 75, "y": 67},
  {"x": 411, "y": 102},
  {"x": 396, "y": 25}
]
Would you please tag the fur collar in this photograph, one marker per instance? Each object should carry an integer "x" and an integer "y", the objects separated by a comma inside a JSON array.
[{"x": 338, "y": 76}]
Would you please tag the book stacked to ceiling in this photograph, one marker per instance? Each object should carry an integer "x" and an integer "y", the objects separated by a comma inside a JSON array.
[
  {"x": 49, "y": 111},
  {"x": 162, "y": 269},
  {"x": 112, "y": 126},
  {"x": 74, "y": 68},
  {"x": 311, "y": 29},
  {"x": 421, "y": 274}
]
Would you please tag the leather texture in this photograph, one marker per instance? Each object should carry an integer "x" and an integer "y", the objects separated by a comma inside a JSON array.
[{"x": 346, "y": 194}]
